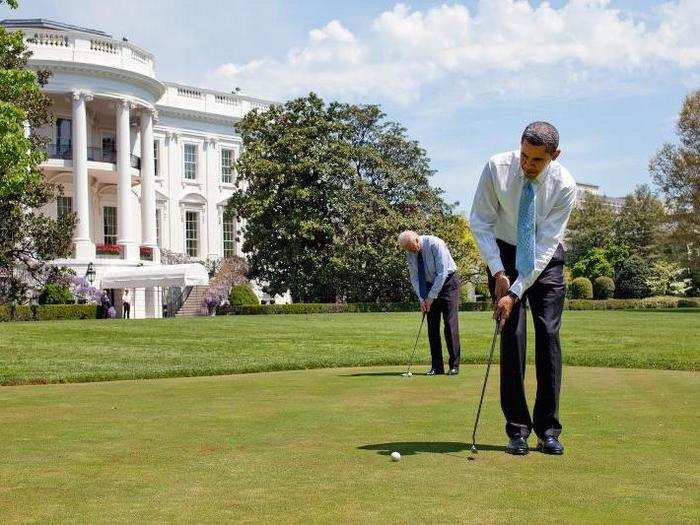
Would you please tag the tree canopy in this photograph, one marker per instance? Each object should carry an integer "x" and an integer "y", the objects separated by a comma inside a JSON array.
[
  {"x": 27, "y": 237},
  {"x": 676, "y": 171},
  {"x": 325, "y": 189}
]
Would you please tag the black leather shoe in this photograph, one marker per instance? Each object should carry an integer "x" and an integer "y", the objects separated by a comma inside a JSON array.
[
  {"x": 453, "y": 372},
  {"x": 550, "y": 445},
  {"x": 434, "y": 372},
  {"x": 517, "y": 446}
]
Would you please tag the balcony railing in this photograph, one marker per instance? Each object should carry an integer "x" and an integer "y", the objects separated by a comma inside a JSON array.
[{"x": 65, "y": 151}]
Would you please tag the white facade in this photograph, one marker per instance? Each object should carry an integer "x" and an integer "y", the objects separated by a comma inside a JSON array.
[
  {"x": 583, "y": 188},
  {"x": 144, "y": 164}
]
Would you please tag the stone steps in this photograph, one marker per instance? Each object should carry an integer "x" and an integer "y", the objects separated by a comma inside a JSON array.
[{"x": 193, "y": 304}]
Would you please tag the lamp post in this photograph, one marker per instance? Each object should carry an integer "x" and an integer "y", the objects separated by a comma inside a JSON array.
[{"x": 90, "y": 273}]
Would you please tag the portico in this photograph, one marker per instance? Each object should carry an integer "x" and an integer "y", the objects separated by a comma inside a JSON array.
[{"x": 126, "y": 236}]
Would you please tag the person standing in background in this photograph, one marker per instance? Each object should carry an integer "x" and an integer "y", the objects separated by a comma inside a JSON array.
[{"x": 126, "y": 304}]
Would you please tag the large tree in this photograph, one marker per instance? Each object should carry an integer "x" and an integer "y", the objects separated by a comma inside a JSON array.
[
  {"x": 325, "y": 190},
  {"x": 641, "y": 222},
  {"x": 27, "y": 238},
  {"x": 676, "y": 170},
  {"x": 592, "y": 225}
]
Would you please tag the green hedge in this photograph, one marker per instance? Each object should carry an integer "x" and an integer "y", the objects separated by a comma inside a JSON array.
[
  {"x": 581, "y": 288},
  {"x": 334, "y": 308},
  {"x": 50, "y": 312},
  {"x": 482, "y": 306},
  {"x": 633, "y": 304},
  {"x": 603, "y": 287},
  {"x": 243, "y": 294},
  {"x": 55, "y": 294}
]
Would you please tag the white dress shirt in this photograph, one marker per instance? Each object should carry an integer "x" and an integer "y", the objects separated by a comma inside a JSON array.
[
  {"x": 438, "y": 263},
  {"x": 494, "y": 212}
]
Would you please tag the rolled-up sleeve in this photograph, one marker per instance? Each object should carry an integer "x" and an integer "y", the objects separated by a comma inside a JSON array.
[
  {"x": 483, "y": 218},
  {"x": 549, "y": 234}
]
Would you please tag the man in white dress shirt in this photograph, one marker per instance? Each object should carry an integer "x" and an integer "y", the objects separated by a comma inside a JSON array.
[{"x": 519, "y": 215}]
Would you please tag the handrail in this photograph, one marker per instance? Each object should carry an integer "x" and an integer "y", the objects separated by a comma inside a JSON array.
[
  {"x": 63, "y": 150},
  {"x": 174, "y": 303}
]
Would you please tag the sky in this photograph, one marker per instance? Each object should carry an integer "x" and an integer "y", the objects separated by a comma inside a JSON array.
[{"x": 463, "y": 77}]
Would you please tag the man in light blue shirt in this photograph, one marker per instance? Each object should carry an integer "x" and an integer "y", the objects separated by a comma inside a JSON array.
[{"x": 435, "y": 282}]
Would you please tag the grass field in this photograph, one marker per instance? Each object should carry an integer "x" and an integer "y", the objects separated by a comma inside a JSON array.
[
  {"x": 75, "y": 351},
  {"x": 311, "y": 447}
]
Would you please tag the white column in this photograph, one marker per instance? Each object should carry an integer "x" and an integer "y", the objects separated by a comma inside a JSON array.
[
  {"x": 174, "y": 188},
  {"x": 213, "y": 177},
  {"x": 124, "y": 215},
  {"x": 148, "y": 190},
  {"x": 84, "y": 247}
]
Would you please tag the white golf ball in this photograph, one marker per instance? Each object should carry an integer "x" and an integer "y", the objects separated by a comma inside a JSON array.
[{"x": 395, "y": 456}]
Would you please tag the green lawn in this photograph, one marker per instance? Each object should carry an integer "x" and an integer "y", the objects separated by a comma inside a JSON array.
[
  {"x": 75, "y": 351},
  {"x": 311, "y": 446}
]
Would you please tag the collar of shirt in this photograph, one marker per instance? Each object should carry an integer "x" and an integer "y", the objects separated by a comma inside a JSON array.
[{"x": 537, "y": 180}]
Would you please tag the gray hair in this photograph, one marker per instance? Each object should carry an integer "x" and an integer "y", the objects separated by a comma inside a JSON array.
[
  {"x": 405, "y": 237},
  {"x": 542, "y": 134}
]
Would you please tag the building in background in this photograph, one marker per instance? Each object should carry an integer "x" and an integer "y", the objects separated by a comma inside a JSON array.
[
  {"x": 583, "y": 188},
  {"x": 146, "y": 165}
]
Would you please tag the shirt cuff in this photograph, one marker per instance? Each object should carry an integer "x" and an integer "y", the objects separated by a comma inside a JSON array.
[
  {"x": 495, "y": 265},
  {"x": 518, "y": 287}
]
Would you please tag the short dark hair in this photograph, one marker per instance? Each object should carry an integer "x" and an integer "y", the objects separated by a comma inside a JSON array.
[{"x": 542, "y": 134}]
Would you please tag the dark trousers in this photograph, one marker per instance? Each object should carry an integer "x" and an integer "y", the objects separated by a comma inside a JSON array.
[
  {"x": 127, "y": 310},
  {"x": 546, "y": 301},
  {"x": 447, "y": 305}
]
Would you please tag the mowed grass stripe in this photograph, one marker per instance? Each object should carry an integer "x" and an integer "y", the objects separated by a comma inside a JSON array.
[
  {"x": 81, "y": 351},
  {"x": 312, "y": 446}
]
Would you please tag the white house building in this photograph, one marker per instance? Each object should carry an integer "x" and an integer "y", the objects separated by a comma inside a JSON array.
[
  {"x": 616, "y": 203},
  {"x": 146, "y": 165}
]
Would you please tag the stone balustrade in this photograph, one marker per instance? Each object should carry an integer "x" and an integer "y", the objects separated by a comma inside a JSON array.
[{"x": 72, "y": 46}]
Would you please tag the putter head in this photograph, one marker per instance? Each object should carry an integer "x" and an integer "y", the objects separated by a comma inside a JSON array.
[
  {"x": 407, "y": 374},
  {"x": 474, "y": 450}
]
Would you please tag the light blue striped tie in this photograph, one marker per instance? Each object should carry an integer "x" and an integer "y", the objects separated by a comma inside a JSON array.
[{"x": 525, "y": 252}]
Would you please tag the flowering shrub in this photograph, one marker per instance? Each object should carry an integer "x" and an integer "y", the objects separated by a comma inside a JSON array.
[
  {"x": 109, "y": 249},
  {"x": 111, "y": 312},
  {"x": 214, "y": 296},
  {"x": 170, "y": 257},
  {"x": 83, "y": 291},
  {"x": 146, "y": 253}
]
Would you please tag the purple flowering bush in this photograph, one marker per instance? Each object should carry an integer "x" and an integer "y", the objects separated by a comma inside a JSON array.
[
  {"x": 214, "y": 297},
  {"x": 83, "y": 291}
]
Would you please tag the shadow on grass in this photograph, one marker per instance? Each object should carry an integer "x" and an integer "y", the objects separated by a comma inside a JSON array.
[
  {"x": 411, "y": 448},
  {"x": 374, "y": 374}
]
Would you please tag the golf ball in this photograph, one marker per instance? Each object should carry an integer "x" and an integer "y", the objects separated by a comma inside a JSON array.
[{"x": 395, "y": 456}]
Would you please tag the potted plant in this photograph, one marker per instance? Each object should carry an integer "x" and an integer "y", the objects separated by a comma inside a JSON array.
[
  {"x": 146, "y": 253},
  {"x": 109, "y": 251}
]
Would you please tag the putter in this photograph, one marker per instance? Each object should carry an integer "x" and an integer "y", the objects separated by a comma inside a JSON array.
[
  {"x": 483, "y": 390},
  {"x": 408, "y": 373}
]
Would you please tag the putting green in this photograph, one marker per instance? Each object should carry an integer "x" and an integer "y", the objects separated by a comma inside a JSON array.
[{"x": 312, "y": 446}]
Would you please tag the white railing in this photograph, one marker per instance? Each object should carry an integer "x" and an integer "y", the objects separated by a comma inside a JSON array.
[
  {"x": 49, "y": 39},
  {"x": 104, "y": 46},
  {"x": 140, "y": 57},
  {"x": 223, "y": 99},
  {"x": 189, "y": 93},
  {"x": 72, "y": 46}
]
